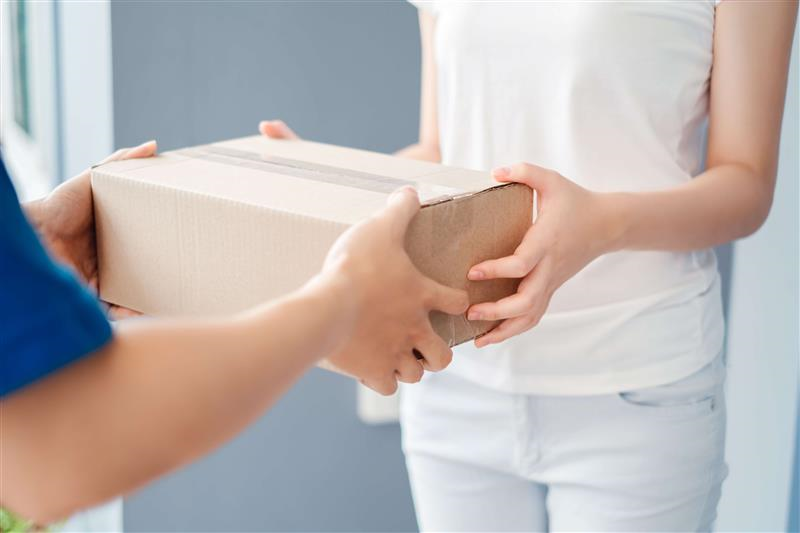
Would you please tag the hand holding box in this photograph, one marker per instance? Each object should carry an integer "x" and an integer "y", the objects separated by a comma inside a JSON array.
[{"x": 219, "y": 228}]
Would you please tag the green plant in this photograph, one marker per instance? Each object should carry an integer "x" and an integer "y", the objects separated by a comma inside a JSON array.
[{"x": 11, "y": 523}]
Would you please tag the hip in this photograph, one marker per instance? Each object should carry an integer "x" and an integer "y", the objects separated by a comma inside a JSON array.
[{"x": 544, "y": 437}]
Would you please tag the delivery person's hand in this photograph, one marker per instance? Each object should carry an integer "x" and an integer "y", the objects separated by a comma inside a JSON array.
[
  {"x": 392, "y": 338},
  {"x": 394, "y": 312},
  {"x": 64, "y": 220}
]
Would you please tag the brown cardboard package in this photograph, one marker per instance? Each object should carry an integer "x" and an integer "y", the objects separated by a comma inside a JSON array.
[{"x": 218, "y": 228}]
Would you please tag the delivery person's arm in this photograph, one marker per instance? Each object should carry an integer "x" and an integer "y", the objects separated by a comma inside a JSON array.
[{"x": 163, "y": 392}]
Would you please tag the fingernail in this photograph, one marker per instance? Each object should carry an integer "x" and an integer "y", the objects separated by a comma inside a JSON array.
[
  {"x": 501, "y": 172},
  {"x": 474, "y": 315},
  {"x": 475, "y": 274}
]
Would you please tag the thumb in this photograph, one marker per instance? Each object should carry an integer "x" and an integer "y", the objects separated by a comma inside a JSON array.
[
  {"x": 400, "y": 208},
  {"x": 533, "y": 176},
  {"x": 146, "y": 149}
]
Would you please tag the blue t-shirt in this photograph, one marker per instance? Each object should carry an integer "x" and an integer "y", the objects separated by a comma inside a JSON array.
[{"x": 47, "y": 318}]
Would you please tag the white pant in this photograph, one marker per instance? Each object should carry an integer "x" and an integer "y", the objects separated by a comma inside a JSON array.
[{"x": 483, "y": 460}]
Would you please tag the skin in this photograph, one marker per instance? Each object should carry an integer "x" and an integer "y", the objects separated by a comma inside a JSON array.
[
  {"x": 265, "y": 349},
  {"x": 730, "y": 200},
  {"x": 70, "y": 238},
  {"x": 164, "y": 392}
]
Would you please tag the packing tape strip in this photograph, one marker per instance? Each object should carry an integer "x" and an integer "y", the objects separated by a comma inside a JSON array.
[{"x": 316, "y": 172}]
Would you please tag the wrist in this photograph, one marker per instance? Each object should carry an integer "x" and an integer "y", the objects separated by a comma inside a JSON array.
[
  {"x": 335, "y": 294},
  {"x": 615, "y": 221}
]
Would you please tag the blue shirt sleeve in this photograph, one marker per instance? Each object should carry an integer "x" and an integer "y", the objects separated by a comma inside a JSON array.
[{"x": 47, "y": 318}]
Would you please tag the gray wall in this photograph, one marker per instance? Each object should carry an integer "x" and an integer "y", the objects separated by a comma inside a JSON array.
[{"x": 348, "y": 73}]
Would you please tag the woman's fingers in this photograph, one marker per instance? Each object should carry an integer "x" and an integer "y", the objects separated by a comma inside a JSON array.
[
  {"x": 524, "y": 259},
  {"x": 511, "y": 266},
  {"x": 276, "y": 129},
  {"x": 507, "y": 329},
  {"x": 509, "y": 307},
  {"x": 532, "y": 291},
  {"x": 435, "y": 353},
  {"x": 533, "y": 176}
]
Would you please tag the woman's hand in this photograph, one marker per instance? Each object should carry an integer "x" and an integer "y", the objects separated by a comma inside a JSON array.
[
  {"x": 276, "y": 129},
  {"x": 64, "y": 220},
  {"x": 573, "y": 226}
]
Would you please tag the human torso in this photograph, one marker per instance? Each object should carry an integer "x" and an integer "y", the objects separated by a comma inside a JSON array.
[{"x": 613, "y": 95}]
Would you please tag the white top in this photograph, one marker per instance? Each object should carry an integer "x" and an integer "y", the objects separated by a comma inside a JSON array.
[{"x": 614, "y": 96}]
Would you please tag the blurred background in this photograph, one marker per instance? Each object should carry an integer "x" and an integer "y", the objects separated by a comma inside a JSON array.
[{"x": 79, "y": 79}]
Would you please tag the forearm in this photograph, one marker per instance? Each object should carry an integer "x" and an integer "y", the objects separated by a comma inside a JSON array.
[
  {"x": 159, "y": 395},
  {"x": 746, "y": 101},
  {"x": 427, "y": 148},
  {"x": 726, "y": 202}
]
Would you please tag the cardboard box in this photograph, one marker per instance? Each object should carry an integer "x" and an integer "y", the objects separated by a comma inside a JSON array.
[{"x": 218, "y": 228}]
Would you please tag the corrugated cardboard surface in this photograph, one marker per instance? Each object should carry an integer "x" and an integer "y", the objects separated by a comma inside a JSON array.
[
  {"x": 219, "y": 228},
  {"x": 446, "y": 239}
]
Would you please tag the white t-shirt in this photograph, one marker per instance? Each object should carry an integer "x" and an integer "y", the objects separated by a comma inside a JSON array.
[{"x": 614, "y": 96}]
